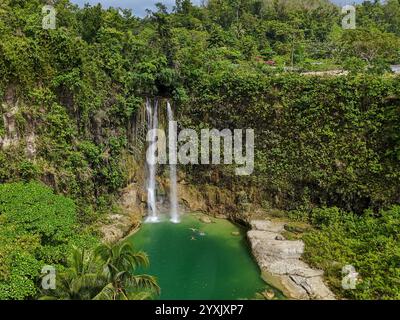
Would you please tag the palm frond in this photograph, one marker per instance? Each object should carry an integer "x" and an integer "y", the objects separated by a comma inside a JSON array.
[
  {"x": 48, "y": 298},
  {"x": 107, "y": 293},
  {"x": 143, "y": 295},
  {"x": 143, "y": 281}
]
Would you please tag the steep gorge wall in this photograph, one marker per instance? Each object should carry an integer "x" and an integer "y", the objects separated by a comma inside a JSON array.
[
  {"x": 43, "y": 138},
  {"x": 319, "y": 141}
]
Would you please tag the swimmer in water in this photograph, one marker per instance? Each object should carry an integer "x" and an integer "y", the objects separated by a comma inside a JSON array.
[
  {"x": 193, "y": 229},
  {"x": 193, "y": 238}
]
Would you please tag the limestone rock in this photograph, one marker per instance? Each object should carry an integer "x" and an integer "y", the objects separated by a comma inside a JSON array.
[
  {"x": 121, "y": 224},
  {"x": 282, "y": 249},
  {"x": 293, "y": 290},
  {"x": 269, "y": 294},
  {"x": 280, "y": 263},
  {"x": 267, "y": 225},
  {"x": 205, "y": 219},
  {"x": 31, "y": 145},
  {"x": 258, "y": 236},
  {"x": 295, "y": 267},
  {"x": 208, "y": 198},
  {"x": 11, "y": 137},
  {"x": 315, "y": 287}
]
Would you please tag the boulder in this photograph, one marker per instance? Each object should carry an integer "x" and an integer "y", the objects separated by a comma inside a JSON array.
[
  {"x": 315, "y": 287},
  {"x": 269, "y": 294},
  {"x": 205, "y": 219},
  {"x": 283, "y": 249}
]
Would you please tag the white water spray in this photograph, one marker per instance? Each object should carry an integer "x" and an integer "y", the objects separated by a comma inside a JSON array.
[
  {"x": 152, "y": 123},
  {"x": 174, "y": 213}
]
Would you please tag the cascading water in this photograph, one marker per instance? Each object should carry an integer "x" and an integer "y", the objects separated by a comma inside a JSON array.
[
  {"x": 174, "y": 213},
  {"x": 152, "y": 123},
  {"x": 152, "y": 126}
]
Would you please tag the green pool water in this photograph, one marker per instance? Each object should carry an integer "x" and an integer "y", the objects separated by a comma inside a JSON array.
[{"x": 188, "y": 266}]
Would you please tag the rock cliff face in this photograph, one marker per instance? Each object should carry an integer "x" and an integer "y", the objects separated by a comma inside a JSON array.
[
  {"x": 207, "y": 199},
  {"x": 215, "y": 201},
  {"x": 132, "y": 205},
  {"x": 280, "y": 263},
  {"x": 11, "y": 136}
]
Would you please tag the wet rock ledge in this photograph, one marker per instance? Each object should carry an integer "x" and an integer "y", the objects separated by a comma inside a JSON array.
[{"x": 280, "y": 263}]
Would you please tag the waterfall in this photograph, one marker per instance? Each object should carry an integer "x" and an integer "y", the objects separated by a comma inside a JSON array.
[
  {"x": 152, "y": 123},
  {"x": 172, "y": 166}
]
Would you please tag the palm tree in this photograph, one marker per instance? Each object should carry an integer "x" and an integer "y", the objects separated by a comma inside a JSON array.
[
  {"x": 119, "y": 264},
  {"x": 105, "y": 274},
  {"x": 80, "y": 280}
]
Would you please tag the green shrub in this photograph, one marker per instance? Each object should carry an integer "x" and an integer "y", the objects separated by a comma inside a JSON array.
[
  {"x": 370, "y": 243},
  {"x": 37, "y": 228}
]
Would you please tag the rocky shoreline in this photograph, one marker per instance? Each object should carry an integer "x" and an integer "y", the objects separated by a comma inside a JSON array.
[{"x": 280, "y": 264}]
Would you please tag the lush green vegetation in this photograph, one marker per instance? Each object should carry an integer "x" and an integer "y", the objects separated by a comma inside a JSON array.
[
  {"x": 77, "y": 87},
  {"x": 37, "y": 227},
  {"x": 370, "y": 243},
  {"x": 106, "y": 273},
  {"x": 320, "y": 142}
]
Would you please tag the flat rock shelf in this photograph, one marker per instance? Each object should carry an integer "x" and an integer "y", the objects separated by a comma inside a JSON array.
[{"x": 280, "y": 263}]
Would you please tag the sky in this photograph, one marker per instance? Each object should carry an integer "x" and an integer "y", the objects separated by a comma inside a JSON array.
[{"x": 139, "y": 6}]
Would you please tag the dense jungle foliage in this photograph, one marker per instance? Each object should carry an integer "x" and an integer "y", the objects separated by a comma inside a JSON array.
[
  {"x": 330, "y": 141},
  {"x": 37, "y": 229},
  {"x": 370, "y": 243}
]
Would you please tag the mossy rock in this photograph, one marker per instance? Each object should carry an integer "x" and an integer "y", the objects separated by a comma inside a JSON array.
[
  {"x": 205, "y": 219},
  {"x": 276, "y": 213},
  {"x": 297, "y": 227},
  {"x": 291, "y": 235}
]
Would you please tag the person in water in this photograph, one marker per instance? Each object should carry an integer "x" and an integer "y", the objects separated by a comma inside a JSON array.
[{"x": 193, "y": 238}]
